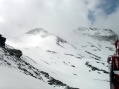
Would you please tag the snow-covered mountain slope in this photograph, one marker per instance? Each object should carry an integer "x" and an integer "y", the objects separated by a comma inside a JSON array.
[
  {"x": 79, "y": 62},
  {"x": 94, "y": 43},
  {"x": 21, "y": 73},
  {"x": 41, "y": 39}
]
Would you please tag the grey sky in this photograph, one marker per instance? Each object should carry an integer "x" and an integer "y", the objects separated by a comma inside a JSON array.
[{"x": 56, "y": 16}]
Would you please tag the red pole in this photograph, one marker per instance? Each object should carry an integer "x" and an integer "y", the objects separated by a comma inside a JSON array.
[
  {"x": 115, "y": 66},
  {"x": 116, "y": 69}
]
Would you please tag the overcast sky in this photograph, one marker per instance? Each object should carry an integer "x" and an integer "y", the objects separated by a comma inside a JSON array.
[{"x": 57, "y": 16}]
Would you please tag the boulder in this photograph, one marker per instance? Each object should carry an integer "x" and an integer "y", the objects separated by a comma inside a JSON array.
[{"x": 15, "y": 52}]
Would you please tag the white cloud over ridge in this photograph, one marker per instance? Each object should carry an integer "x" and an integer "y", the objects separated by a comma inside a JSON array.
[{"x": 56, "y": 16}]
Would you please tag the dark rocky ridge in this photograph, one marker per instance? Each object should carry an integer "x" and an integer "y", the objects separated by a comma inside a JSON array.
[{"x": 2, "y": 40}]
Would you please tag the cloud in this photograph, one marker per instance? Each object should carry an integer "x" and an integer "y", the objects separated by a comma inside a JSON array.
[
  {"x": 2, "y": 19},
  {"x": 56, "y": 16},
  {"x": 108, "y": 21}
]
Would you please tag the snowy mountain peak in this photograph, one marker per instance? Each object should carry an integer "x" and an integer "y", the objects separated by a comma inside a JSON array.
[
  {"x": 83, "y": 53},
  {"x": 100, "y": 34},
  {"x": 37, "y": 31}
]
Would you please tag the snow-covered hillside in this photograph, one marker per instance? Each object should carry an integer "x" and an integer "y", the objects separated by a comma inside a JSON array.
[
  {"x": 21, "y": 73},
  {"x": 78, "y": 61},
  {"x": 94, "y": 43}
]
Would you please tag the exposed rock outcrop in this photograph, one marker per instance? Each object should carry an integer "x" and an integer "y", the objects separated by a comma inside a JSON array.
[
  {"x": 15, "y": 52},
  {"x": 2, "y": 40}
]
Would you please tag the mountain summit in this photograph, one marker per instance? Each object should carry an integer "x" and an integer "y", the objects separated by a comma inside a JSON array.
[
  {"x": 104, "y": 33},
  {"x": 37, "y": 31}
]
